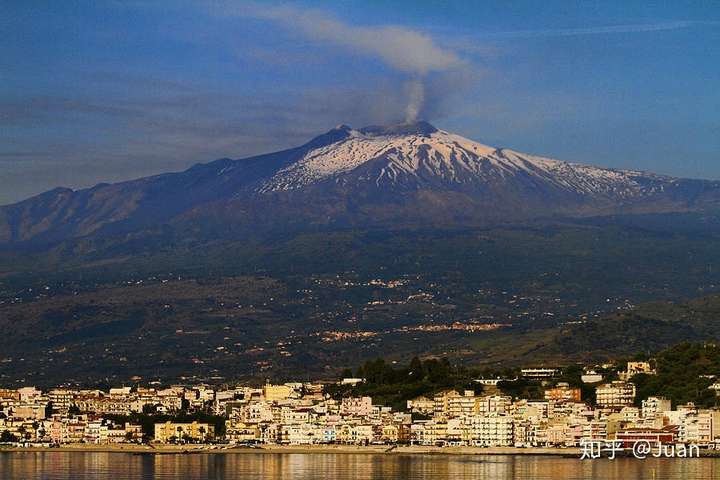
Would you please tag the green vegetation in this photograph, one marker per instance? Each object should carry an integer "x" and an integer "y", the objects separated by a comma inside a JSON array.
[
  {"x": 7, "y": 437},
  {"x": 684, "y": 373},
  {"x": 639, "y": 332},
  {"x": 522, "y": 388},
  {"x": 392, "y": 386}
]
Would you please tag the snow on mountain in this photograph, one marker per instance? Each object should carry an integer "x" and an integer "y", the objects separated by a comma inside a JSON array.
[
  {"x": 421, "y": 153},
  {"x": 384, "y": 175}
]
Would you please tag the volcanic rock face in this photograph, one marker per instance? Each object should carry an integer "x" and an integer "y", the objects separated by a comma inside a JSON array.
[{"x": 380, "y": 175}]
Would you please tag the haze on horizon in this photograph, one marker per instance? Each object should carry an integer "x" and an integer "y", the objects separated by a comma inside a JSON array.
[{"x": 93, "y": 92}]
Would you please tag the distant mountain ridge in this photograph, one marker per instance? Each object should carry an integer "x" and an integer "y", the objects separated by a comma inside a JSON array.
[{"x": 380, "y": 176}]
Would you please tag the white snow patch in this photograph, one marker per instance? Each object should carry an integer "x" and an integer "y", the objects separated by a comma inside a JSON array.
[{"x": 449, "y": 157}]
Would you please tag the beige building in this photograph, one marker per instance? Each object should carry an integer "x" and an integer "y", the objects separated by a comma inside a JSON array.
[
  {"x": 236, "y": 431},
  {"x": 615, "y": 394},
  {"x": 422, "y": 405},
  {"x": 493, "y": 404},
  {"x": 441, "y": 401},
  {"x": 702, "y": 427},
  {"x": 274, "y": 393},
  {"x": 635, "y": 368},
  {"x": 462, "y": 405},
  {"x": 175, "y": 432}
]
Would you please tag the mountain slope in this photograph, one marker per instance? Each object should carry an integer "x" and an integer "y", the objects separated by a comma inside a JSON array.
[{"x": 402, "y": 174}]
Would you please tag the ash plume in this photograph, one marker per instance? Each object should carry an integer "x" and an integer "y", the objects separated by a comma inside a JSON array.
[
  {"x": 416, "y": 98},
  {"x": 408, "y": 51}
]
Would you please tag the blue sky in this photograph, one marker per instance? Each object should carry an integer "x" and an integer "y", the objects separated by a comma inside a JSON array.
[{"x": 95, "y": 91}]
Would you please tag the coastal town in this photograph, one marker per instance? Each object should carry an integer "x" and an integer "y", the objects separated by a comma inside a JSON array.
[{"x": 305, "y": 414}]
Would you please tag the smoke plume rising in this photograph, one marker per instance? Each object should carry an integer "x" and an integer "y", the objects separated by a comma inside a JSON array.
[
  {"x": 416, "y": 98},
  {"x": 413, "y": 53}
]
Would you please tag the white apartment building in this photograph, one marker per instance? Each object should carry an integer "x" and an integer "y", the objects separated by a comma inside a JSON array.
[
  {"x": 700, "y": 428},
  {"x": 653, "y": 406},
  {"x": 492, "y": 430},
  {"x": 494, "y": 404}
]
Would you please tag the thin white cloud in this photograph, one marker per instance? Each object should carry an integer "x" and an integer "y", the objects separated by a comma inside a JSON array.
[{"x": 603, "y": 30}]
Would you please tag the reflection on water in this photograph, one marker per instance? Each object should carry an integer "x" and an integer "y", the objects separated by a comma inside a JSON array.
[{"x": 119, "y": 466}]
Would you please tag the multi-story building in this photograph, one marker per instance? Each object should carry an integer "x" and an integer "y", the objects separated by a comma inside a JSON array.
[
  {"x": 178, "y": 432},
  {"x": 563, "y": 393},
  {"x": 300, "y": 434},
  {"x": 28, "y": 410},
  {"x": 237, "y": 432},
  {"x": 654, "y": 406},
  {"x": 356, "y": 406},
  {"x": 61, "y": 399},
  {"x": 462, "y": 405},
  {"x": 493, "y": 404},
  {"x": 594, "y": 430},
  {"x": 441, "y": 402},
  {"x": 635, "y": 368},
  {"x": 421, "y": 405},
  {"x": 701, "y": 427},
  {"x": 27, "y": 394},
  {"x": 300, "y": 414},
  {"x": 615, "y": 394},
  {"x": 492, "y": 430}
]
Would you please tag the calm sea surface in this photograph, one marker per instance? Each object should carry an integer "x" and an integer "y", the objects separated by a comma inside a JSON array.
[{"x": 119, "y": 466}]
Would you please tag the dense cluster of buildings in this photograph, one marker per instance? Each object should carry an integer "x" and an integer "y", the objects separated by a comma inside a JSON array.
[
  {"x": 304, "y": 414},
  {"x": 561, "y": 419}
]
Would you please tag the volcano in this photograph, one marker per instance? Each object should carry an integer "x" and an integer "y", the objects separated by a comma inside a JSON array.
[{"x": 380, "y": 176}]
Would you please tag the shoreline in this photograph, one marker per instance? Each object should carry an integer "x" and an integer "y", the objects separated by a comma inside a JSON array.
[
  {"x": 302, "y": 449},
  {"x": 134, "y": 449}
]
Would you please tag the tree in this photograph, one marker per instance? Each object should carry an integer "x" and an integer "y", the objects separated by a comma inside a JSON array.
[
  {"x": 416, "y": 368},
  {"x": 7, "y": 437}
]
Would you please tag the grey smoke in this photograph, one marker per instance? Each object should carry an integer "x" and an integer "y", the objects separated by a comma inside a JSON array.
[
  {"x": 416, "y": 98},
  {"x": 403, "y": 49}
]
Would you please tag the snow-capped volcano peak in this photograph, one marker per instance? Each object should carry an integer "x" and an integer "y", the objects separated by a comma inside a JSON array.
[
  {"x": 416, "y": 155},
  {"x": 397, "y": 149}
]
